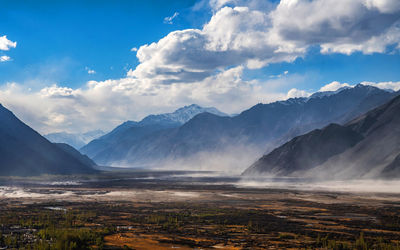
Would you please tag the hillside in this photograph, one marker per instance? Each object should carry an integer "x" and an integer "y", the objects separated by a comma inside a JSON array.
[
  {"x": 25, "y": 152},
  {"x": 366, "y": 147}
]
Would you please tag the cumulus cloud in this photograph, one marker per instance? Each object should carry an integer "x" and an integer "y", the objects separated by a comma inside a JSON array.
[
  {"x": 6, "y": 44},
  {"x": 5, "y": 58},
  {"x": 333, "y": 86},
  {"x": 295, "y": 93},
  {"x": 337, "y": 26},
  {"x": 395, "y": 86},
  {"x": 56, "y": 92},
  {"x": 233, "y": 36},
  {"x": 383, "y": 5},
  {"x": 217, "y": 4}
]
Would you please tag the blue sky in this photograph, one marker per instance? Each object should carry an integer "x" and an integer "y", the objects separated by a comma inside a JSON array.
[
  {"x": 71, "y": 36},
  {"x": 73, "y": 61}
]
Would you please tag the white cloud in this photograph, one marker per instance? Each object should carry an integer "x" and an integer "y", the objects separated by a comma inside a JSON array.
[
  {"x": 384, "y": 85},
  {"x": 333, "y": 86},
  {"x": 295, "y": 93},
  {"x": 5, "y": 58},
  {"x": 217, "y": 4},
  {"x": 6, "y": 44},
  {"x": 134, "y": 49},
  {"x": 337, "y": 26},
  {"x": 55, "y": 92},
  {"x": 90, "y": 71},
  {"x": 280, "y": 75},
  {"x": 385, "y": 6},
  {"x": 170, "y": 19},
  {"x": 233, "y": 36}
]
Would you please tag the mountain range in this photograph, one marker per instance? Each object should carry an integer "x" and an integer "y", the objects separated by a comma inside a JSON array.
[
  {"x": 214, "y": 141},
  {"x": 116, "y": 143},
  {"x": 363, "y": 141},
  {"x": 366, "y": 147},
  {"x": 24, "y": 152}
]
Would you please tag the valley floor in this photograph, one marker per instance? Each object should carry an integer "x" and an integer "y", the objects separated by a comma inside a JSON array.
[{"x": 149, "y": 211}]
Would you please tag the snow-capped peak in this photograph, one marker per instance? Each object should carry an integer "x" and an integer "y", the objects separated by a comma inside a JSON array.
[
  {"x": 328, "y": 93},
  {"x": 180, "y": 116}
]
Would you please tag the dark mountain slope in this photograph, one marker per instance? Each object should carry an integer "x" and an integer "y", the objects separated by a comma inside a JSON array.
[
  {"x": 393, "y": 169},
  {"x": 307, "y": 151},
  {"x": 367, "y": 159},
  {"x": 25, "y": 152},
  {"x": 76, "y": 154},
  {"x": 366, "y": 147},
  {"x": 117, "y": 143},
  {"x": 97, "y": 145}
]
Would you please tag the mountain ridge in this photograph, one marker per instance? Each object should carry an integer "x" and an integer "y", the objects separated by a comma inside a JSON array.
[
  {"x": 134, "y": 131},
  {"x": 24, "y": 152},
  {"x": 375, "y": 152}
]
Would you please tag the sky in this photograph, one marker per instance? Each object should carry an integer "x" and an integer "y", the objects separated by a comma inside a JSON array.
[{"x": 77, "y": 66}]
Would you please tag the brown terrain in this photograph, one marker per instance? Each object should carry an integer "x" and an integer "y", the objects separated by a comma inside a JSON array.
[{"x": 192, "y": 215}]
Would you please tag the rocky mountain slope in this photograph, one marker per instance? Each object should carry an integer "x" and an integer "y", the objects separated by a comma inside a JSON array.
[
  {"x": 366, "y": 147},
  {"x": 24, "y": 152}
]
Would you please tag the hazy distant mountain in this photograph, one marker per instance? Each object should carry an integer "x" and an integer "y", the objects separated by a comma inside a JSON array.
[
  {"x": 25, "y": 152},
  {"x": 116, "y": 143},
  {"x": 366, "y": 147},
  {"x": 76, "y": 140},
  {"x": 233, "y": 142}
]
